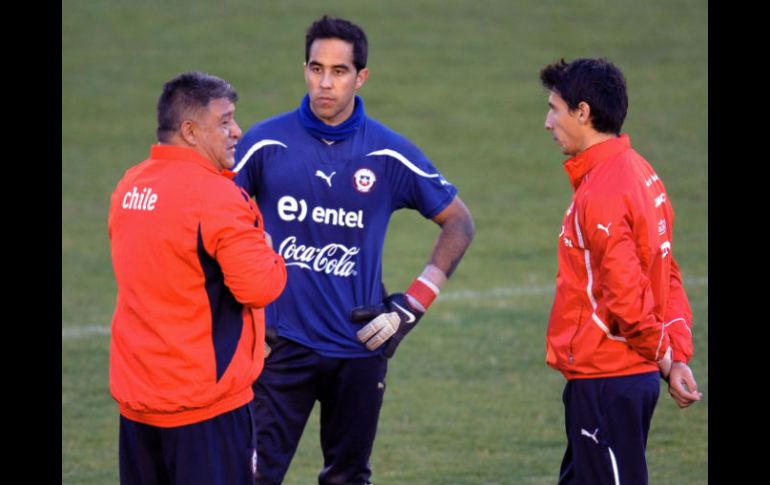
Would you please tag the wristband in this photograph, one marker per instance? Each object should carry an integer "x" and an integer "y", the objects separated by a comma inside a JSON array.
[{"x": 423, "y": 291}]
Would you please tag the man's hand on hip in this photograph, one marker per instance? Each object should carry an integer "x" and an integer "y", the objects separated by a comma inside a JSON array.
[{"x": 389, "y": 322}]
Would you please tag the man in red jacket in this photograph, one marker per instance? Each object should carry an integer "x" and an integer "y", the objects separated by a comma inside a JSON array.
[
  {"x": 620, "y": 316},
  {"x": 194, "y": 269}
]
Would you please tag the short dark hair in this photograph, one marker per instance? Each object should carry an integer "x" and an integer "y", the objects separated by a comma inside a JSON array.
[
  {"x": 185, "y": 94},
  {"x": 332, "y": 28},
  {"x": 598, "y": 82}
]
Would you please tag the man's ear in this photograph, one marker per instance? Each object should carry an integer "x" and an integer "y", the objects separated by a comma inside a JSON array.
[
  {"x": 361, "y": 77},
  {"x": 187, "y": 132},
  {"x": 584, "y": 112}
]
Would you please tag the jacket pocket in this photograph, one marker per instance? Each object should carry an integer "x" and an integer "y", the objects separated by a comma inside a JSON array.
[{"x": 572, "y": 342}]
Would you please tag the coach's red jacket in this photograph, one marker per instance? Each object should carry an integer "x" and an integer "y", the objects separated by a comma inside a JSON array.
[
  {"x": 193, "y": 273},
  {"x": 619, "y": 300}
]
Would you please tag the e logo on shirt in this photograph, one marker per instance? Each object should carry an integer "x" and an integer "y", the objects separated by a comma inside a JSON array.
[{"x": 290, "y": 209}]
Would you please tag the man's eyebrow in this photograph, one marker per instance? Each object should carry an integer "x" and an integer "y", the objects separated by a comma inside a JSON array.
[{"x": 335, "y": 66}]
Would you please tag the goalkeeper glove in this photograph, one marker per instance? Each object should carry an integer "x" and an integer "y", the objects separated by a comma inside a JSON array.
[{"x": 389, "y": 322}]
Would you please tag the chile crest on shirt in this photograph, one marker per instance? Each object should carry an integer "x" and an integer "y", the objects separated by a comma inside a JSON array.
[{"x": 364, "y": 180}]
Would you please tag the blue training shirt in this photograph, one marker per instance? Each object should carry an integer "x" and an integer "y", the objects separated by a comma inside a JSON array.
[{"x": 327, "y": 208}]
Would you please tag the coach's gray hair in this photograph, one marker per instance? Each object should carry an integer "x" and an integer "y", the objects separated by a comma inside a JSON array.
[{"x": 186, "y": 93}]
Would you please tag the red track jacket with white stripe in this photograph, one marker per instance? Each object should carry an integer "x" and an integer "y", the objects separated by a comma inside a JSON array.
[
  {"x": 193, "y": 272},
  {"x": 619, "y": 299}
]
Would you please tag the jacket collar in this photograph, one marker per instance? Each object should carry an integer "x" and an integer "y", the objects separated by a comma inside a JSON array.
[
  {"x": 578, "y": 166},
  {"x": 177, "y": 153}
]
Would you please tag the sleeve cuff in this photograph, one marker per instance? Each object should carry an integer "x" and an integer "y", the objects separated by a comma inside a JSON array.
[{"x": 677, "y": 356}]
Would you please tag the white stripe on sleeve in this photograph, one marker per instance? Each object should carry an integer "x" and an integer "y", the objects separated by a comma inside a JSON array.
[
  {"x": 411, "y": 166},
  {"x": 258, "y": 145}
]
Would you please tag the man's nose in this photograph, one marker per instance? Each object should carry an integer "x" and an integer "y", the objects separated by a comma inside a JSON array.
[
  {"x": 236, "y": 131},
  {"x": 326, "y": 80}
]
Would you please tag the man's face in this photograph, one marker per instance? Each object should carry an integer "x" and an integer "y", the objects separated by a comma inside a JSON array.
[
  {"x": 563, "y": 124},
  {"x": 217, "y": 132},
  {"x": 332, "y": 80}
]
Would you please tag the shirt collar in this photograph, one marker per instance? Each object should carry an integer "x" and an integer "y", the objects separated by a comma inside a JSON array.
[{"x": 329, "y": 133}]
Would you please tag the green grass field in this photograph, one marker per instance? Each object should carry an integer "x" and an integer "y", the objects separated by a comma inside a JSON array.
[{"x": 470, "y": 399}]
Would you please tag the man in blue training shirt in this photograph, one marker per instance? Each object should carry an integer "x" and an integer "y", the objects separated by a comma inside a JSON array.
[{"x": 327, "y": 178}]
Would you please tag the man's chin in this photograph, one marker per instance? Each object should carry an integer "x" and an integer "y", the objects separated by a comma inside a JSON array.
[{"x": 324, "y": 113}]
